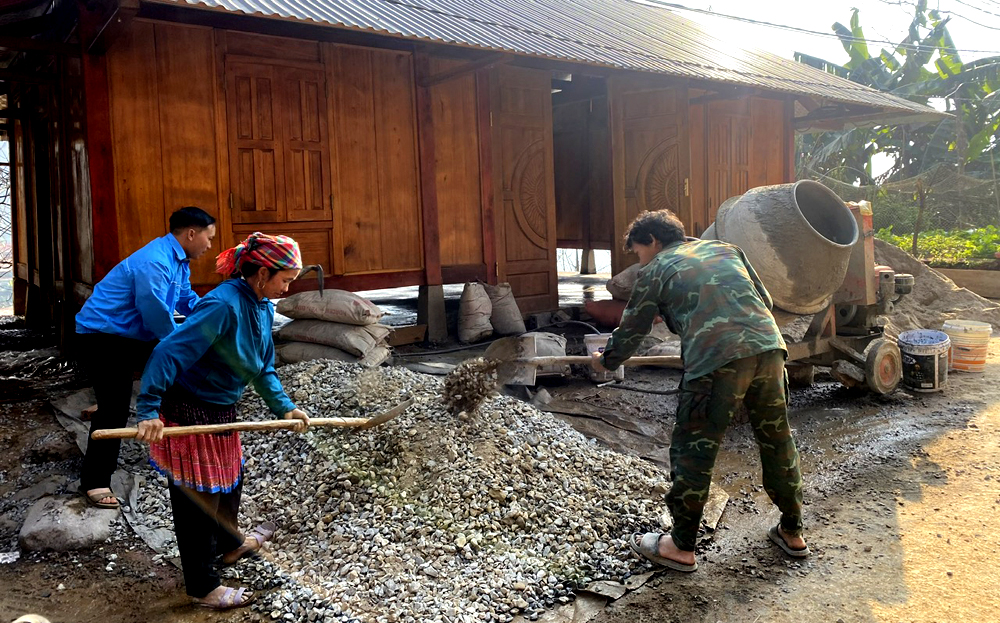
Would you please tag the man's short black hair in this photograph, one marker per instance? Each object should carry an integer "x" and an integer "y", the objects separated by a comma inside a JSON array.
[
  {"x": 662, "y": 225},
  {"x": 190, "y": 216}
]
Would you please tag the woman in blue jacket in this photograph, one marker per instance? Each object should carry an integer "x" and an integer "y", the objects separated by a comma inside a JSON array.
[{"x": 196, "y": 375}]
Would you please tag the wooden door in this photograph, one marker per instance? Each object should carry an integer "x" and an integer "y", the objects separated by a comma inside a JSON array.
[
  {"x": 256, "y": 159},
  {"x": 651, "y": 157},
  {"x": 306, "y": 144},
  {"x": 729, "y": 137},
  {"x": 521, "y": 104}
]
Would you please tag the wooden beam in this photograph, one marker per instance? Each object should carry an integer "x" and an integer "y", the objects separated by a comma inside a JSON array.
[
  {"x": 724, "y": 95},
  {"x": 486, "y": 194},
  {"x": 487, "y": 61},
  {"x": 789, "y": 129},
  {"x": 100, "y": 27},
  {"x": 100, "y": 159},
  {"x": 22, "y": 44},
  {"x": 30, "y": 78}
]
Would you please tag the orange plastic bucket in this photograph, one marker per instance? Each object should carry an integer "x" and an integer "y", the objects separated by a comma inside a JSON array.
[{"x": 969, "y": 342}]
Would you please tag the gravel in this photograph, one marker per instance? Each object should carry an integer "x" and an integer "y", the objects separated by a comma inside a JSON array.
[{"x": 433, "y": 516}]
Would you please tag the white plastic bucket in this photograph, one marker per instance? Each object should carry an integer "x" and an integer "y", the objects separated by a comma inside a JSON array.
[
  {"x": 596, "y": 344},
  {"x": 925, "y": 359},
  {"x": 969, "y": 342}
]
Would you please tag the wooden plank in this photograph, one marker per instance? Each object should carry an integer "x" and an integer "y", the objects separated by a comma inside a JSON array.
[
  {"x": 571, "y": 154},
  {"x": 428, "y": 172},
  {"x": 600, "y": 224},
  {"x": 270, "y": 47},
  {"x": 407, "y": 335},
  {"x": 357, "y": 200},
  {"x": 135, "y": 125},
  {"x": 700, "y": 213},
  {"x": 457, "y": 168},
  {"x": 186, "y": 86},
  {"x": 224, "y": 232},
  {"x": 396, "y": 156},
  {"x": 23, "y": 232},
  {"x": 100, "y": 162},
  {"x": 463, "y": 273},
  {"x": 788, "y": 127}
]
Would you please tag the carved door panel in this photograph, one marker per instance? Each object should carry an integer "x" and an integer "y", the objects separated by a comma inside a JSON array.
[
  {"x": 728, "y": 155},
  {"x": 257, "y": 176},
  {"x": 521, "y": 103},
  {"x": 651, "y": 156},
  {"x": 307, "y": 144}
]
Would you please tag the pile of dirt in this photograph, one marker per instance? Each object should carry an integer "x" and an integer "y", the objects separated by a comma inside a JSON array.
[{"x": 934, "y": 299}]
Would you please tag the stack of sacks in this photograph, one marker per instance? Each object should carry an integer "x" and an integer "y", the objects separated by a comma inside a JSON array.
[{"x": 339, "y": 325}]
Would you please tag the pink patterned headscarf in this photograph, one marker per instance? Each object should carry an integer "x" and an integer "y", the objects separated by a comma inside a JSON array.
[{"x": 280, "y": 252}]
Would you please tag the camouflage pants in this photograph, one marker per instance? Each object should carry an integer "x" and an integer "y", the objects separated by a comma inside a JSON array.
[{"x": 706, "y": 407}]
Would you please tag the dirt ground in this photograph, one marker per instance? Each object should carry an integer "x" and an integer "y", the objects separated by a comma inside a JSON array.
[{"x": 902, "y": 494}]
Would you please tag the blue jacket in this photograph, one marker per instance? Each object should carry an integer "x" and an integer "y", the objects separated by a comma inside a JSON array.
[
  {"x": 138, "y": 297},
  {"x": 224, "y": 345}
]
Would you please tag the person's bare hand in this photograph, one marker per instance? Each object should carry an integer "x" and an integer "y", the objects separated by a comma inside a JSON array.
[
  {"x": 301, "y": 416},
  {"x": 595, "y": 362},
  {"x": 150, "y": 431}
]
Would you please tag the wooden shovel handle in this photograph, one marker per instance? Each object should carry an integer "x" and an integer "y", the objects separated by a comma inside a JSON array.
[
  {"x": 662, "y": 360},
  {"x": 204, "y": 429}
]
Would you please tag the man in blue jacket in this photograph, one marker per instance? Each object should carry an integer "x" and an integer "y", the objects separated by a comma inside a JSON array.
[{"x": 131, "y": 309}]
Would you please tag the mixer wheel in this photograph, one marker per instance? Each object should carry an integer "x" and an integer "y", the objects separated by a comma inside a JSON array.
[{"x": 883, "y": 366}]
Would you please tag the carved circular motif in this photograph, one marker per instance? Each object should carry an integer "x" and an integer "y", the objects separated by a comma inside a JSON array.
[
  {"x": 530, "y": 194},
  {"x": 658, "y": 182}
]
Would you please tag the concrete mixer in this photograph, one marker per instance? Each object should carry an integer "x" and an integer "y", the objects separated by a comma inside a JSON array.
[{"x": 816, "y": 256}]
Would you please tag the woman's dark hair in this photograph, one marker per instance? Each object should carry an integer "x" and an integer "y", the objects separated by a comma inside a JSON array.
[
  {"x": 190, "y": 216},
  {"x": 662, "y": 225},
  {"x": 249, "y": 269}
]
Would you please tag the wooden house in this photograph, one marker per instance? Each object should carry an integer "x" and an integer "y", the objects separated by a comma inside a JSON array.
[{"x": 401, "y": 143}]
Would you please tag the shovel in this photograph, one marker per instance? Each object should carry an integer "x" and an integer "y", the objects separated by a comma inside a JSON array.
[
  {"x": 205, "y": 429},
  {"x": 519, "y": 363}
]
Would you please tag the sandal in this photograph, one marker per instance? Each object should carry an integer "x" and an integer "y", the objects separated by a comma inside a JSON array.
[
  {"x": 230, "y": 598},
  {"x": 775, "y": 535},
  {"x": 647, "y": 546},
  {"x": 261, "y": 534},
  {"x": 94, "y": 499}
]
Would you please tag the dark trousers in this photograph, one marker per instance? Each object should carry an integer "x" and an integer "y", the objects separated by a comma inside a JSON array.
[
  {"x": 111, "y": 361},
  {"x": 704, "y": 411},
  {"x": 206, "y": 526}
]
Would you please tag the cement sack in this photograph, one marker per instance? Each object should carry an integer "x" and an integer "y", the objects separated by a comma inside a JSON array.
[
  {"x": 474, "y": 311},
  {"x": 506, "y": 317},
  {"x": 620, "y": 286},
  {"x": 550, "y": 345},
  {"x": 333, "y": 306},
  {"x": 295, "y": 352},
  {"x": 351, "y": 339}
]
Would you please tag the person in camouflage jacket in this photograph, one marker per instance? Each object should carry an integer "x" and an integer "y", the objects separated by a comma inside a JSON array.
[{"x": 708, "y": 294}]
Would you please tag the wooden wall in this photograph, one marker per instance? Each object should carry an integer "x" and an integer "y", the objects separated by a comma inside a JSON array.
[{"x": 313, "y": 140}]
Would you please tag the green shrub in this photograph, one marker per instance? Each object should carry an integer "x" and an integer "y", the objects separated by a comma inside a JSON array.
[{"x": 948, "y": 246}]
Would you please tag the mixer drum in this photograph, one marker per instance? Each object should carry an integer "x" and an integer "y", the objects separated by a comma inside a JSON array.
[{"x": 798, "y": 237}]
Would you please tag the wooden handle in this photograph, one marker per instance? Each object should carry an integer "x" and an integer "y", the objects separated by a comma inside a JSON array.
[
  {"x": 204, "y": 429},
  {"x": 662, "y": 360}
]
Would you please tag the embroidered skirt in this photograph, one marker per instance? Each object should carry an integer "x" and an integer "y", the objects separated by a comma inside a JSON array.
[{"x": 211, "y": 463}]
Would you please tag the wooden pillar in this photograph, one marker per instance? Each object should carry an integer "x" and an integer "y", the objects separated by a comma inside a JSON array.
[
  {"x": 102, "y": 170},
  {"x": 588, "y": 263},
  {"x": 486, "y": 174},
  {"x": 430, "y": 300}
]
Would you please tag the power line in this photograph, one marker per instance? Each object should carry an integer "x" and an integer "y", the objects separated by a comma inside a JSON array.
[{"x": 908, "y": 46}]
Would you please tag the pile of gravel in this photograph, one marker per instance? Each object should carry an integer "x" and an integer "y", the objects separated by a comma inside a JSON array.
[{"x": 432, "y": 516}]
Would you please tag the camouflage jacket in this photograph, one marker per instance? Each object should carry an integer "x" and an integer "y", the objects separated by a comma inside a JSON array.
[{"x": 710, "y": 296}]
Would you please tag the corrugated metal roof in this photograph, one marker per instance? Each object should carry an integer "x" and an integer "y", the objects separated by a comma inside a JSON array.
[{"x": 611, "y": 33}]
